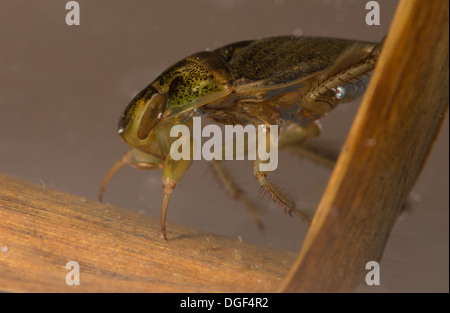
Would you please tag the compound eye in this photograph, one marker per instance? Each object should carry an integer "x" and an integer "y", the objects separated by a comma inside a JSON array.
[{"x": 152, "y": 115}]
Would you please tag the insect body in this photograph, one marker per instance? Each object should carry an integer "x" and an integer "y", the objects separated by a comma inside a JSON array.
[{"x": 286, "y": 81}]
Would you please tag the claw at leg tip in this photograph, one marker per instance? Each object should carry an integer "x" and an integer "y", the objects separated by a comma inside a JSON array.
[{"x": 163, "y": 231}]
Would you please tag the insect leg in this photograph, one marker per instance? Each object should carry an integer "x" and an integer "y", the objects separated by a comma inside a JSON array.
[
  {"x": 173, "y": 172},
  {"x": 320, "y": 157},
  {"x": 295, "y": 134},
  {"x": 276, "y": 194},
  {"x": 135, "y": 159},
  {"x": 343, "y": 81},
  {"x": 234, "y": 190},
  {"x": 113, "y": 170},
  {"x": 293, "y": 138}
]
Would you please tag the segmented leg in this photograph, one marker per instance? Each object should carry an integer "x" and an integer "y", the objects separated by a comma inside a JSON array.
[
  {"x": 113, "y": 170},
  {"x": 173, "y": 171},
  {"x": 293, "y": 138},
  {"x": 276, "y": 195},
  {"x": 320, "y": 157},
  {"x": 234, "y": 191},
  {"x": 127, "y": 158}
]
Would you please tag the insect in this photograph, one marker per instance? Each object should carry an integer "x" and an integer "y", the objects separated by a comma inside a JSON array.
[{"x": 287, "y": 81}]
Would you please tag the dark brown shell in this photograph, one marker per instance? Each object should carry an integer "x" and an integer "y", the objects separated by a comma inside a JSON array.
[{"x": 280, "y": 60}]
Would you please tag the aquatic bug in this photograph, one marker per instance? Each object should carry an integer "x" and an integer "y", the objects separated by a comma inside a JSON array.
[{"x": 287, "y": 81}]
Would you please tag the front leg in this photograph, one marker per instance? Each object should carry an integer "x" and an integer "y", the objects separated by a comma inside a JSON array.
[
  {"x": 134, "y": 158},
  {"x": 173, "y": 172}
]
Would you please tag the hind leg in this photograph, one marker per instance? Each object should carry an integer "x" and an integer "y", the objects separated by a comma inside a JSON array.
[
  {"x": 293, "y": 139},
  {"x": 235, "y": 191},
  {"x": 261, "y": 169},
  {"x": 275, "y": 194}
]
